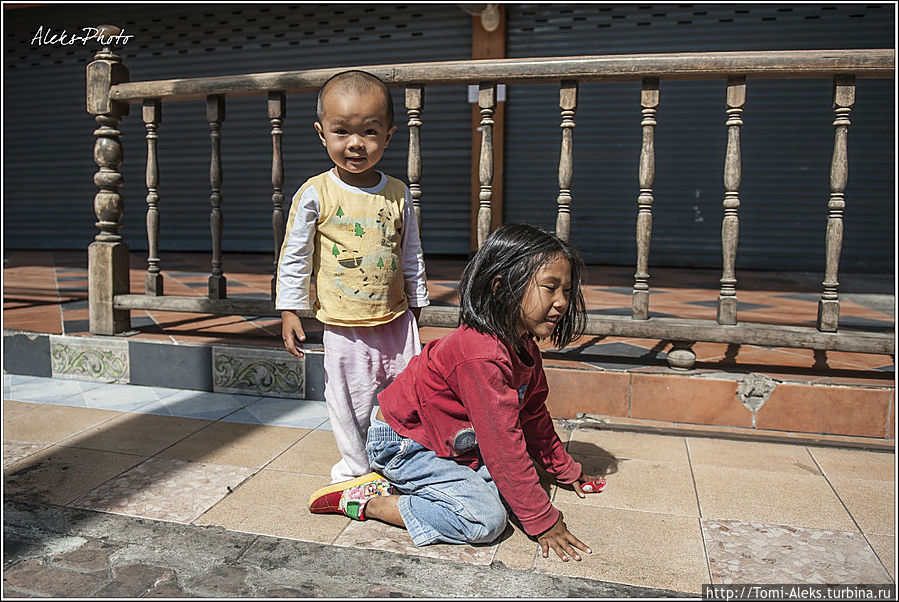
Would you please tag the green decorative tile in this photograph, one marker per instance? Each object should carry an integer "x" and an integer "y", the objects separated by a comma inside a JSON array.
[
  {"x": 268, "y": 372},
  {"x": 90, "y": 358}
]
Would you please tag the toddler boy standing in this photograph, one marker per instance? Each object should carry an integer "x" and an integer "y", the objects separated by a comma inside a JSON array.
[{"x": 355, "y": 229}]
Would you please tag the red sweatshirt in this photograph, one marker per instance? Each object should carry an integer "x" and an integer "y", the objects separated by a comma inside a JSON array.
[{"x": 472, "y": 380}]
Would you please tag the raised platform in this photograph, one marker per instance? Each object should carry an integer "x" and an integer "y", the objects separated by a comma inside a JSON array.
[{"x": 749, "y": 391}]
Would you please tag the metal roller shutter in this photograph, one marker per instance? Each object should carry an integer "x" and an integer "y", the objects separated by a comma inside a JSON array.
[
  {"x": 787, "y": 137},
  {"x": 48, "y": 187}
]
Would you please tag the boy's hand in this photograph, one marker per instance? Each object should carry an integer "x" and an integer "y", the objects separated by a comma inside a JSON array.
[
  {"x": 562, "y": 541},
  {"x": 584, "y": 478},
  {"x": 292, "y": 332}
]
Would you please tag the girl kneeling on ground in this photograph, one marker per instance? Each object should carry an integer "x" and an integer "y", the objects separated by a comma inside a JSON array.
[{"x": 456, "y": 432}]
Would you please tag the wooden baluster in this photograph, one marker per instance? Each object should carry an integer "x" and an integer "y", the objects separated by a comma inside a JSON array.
[
  {"x": 152, "y": 114},
  {"x": 843, "y": 99},
  {"x": 414, "y": 106},
  {"x": 215, "y": 114},
  {"x": 487, "y": 105},
  {"x": 730, "y": 223},
  {"x": 649, "y": 104},
  {"x": 568, "y": 106},
  {"x": 277, "y": 105},
  {"x": 108, "y": 258}
]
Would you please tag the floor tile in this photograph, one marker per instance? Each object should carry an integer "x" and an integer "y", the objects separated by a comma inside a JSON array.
[
  {"x": 235, "y": 444},
  {"x": 57, "y": 475},
  {"x": 636, "y": 548},
  {"x": 375, "y": 535},
  {"x": 122, "y": 398},
  {"x": 751, "y": 454},
  {"x": 15, "y": 408},
  {"x": 763, "y": 496},
  {"x": 641, "y": 485},
  {"x": 516, "y": 550},
  {"x": 621, "y": 444},
  {"x": 274, "y": 503},
  {"x": 314, "y": 454},
  {"x": 50, "y": 390},
  {"x": 52, "y": 423},
  {"x": 197, "y": 404},
  {"x": 165, "y": 489},
  {"x": 142, "y": 434},
  {"x": 885, "y": 548},
  {"x": 750, "y": 552},
  {"x": 869, "y": 502},
  {"x": 282, "y": 412},
  {"x": 13, "y": 451},
  {"x": 856, "y": 464}
]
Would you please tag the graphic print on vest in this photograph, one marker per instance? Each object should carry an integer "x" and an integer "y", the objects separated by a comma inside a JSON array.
[{"x": 365, "y": 271}]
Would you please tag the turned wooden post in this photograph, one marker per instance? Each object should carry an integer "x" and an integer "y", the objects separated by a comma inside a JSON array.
[
  {"x": 730, "y": 223},
  {"x": 152, "y": 115},
  {"x": 414, "y": 106},
  {"x": 108, "y": 255},
  {"x": 649, "y": 104},
  {"x": 843, "y": 99},
  {"x": 487, "y": 105},
  {"x": 568, "y": 107},
  {"x": 215, "y": 114},
  {"x": 277, "y": 104}
]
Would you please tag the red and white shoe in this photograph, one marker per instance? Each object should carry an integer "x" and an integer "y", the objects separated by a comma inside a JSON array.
[{"x": 349, "y": 497}]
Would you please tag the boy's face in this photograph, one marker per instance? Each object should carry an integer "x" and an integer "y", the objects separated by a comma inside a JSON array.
[{"x": 355, "y": 131}]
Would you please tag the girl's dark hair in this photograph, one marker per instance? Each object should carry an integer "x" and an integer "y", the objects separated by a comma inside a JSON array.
[{"x": 515, "y": 252}]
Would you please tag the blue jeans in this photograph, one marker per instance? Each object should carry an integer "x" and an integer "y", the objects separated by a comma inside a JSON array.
[{"x": 443, "y": 500}]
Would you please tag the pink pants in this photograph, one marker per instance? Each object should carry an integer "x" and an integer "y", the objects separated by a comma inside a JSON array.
[{"x": 359, "y": 362}]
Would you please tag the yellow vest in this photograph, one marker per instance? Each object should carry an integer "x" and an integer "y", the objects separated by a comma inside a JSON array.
[{"x": 357, "y": 260}]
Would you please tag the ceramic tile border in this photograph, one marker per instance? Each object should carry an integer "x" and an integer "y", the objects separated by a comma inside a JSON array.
[
  {"x": 248, "y": 371},
  {"x": 82, "y": 358}
]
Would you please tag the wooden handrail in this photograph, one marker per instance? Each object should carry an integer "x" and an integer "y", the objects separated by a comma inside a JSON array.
[
  {"x": 672, "y": 329},
  {"x": 794, "y": 64}
]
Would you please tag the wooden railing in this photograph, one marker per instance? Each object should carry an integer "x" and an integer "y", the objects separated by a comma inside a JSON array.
[{"x": 109, "y": 94}]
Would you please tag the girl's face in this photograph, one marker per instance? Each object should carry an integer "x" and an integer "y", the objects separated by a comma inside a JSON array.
[{"x": 546, "y": 298}]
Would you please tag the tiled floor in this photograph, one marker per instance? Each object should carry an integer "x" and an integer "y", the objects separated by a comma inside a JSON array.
[{"x": 678, "y": 511}]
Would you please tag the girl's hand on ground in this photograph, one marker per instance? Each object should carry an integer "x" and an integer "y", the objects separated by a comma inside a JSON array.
[
  {"x": 584, "y": 478},
  {"x": 560, "y": 539},
  {"x": 292, "y": 333}
]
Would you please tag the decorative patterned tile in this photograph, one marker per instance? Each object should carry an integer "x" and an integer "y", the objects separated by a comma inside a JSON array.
[
  {"x": 258, "y": 372},
  {"x": 283, "y": 412},
  {"x": 13, "y": 451},
  {"x": 86, "y": 358},
  {"x": 749, "y": 552},
  {"x": 375, "y": 535},
  {"x": 165, "y": 489}
]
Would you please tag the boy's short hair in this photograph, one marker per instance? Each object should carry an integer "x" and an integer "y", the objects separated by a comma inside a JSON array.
[
  {"x": 515, "y": 252},
  {"x": 359, "y": 82}
]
